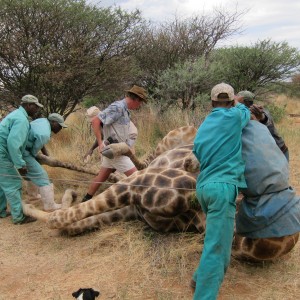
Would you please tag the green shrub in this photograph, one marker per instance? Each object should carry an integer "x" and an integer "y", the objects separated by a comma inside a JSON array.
[{"x": 277, "y": 112}]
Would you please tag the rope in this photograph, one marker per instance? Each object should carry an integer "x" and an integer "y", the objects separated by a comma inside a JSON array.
[{"x": 101, "y": 182}]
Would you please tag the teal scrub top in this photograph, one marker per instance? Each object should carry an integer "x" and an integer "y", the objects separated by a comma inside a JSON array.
[
  {"x": 39, "y": 135},
  {"x": 14, "y": 130},
  {"x": 218, "y": 146}
]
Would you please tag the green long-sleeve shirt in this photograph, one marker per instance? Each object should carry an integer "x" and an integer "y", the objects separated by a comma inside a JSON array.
[
  {"x": 14, "y": 129},
  {"x": 218, "y": 145}
]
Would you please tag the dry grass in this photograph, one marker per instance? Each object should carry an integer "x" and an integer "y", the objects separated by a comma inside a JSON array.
[{"x": 129, "y": 260}]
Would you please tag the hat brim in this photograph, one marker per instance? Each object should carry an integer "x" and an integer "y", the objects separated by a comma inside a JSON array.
[
  {"x": 222, "y": 100},
  {"x": 141, "y": 97},
  {"x": 63, "y": 125},
  {"x": 36, "y": 103}
]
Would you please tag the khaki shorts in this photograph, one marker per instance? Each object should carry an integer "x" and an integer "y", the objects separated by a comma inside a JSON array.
[{"x": 122, "y": 163}]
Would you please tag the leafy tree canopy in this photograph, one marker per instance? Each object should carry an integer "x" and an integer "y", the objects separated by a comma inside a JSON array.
[
  {"x": 62, "y": 50},
  {"x": 255, "y": 67}
]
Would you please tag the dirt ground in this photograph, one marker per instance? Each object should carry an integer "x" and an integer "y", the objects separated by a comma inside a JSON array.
[
  {"x": 129, "y": 261},
  {"x": 126, "y": 261}
]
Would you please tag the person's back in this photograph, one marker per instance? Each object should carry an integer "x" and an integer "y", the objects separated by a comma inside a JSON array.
[
  {"x": 218, "y": 146},
  {"x": 263, "y": 116},
  {"x": 14, "y": 131},
  {"x": 39, "y": 135}
]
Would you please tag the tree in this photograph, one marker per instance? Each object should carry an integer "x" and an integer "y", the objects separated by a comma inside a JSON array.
[
  {"x": 255, "y": 67},
  {"x": 176, "y": 41},
  {"x": 245, "y": 68},
  {"x": 186, "y": 85},
  {"x": 63, "y": 50}
]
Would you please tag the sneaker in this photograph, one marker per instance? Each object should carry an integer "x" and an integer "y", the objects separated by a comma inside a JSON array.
[
  {"x": 27, "y": 219},
  {"x": 87, "y": 197},
  {"x": 7, "y": 214}
]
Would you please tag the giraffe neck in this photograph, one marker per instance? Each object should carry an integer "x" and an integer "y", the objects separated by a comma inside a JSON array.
[{"x": 263, "y": 249}]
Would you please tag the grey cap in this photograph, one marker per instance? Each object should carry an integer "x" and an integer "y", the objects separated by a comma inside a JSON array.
[
  {"x": 246, "y": 95},
  {"x": 222, "y": 88},
  {"x": 58, "y": 118},
  {"x": 31, "y": 99}
]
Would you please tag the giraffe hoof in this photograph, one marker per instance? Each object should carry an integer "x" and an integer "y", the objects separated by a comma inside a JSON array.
[{"x": 107, "y": 152}]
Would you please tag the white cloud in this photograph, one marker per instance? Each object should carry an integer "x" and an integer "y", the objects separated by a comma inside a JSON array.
[{"x": 274, "y": 19}]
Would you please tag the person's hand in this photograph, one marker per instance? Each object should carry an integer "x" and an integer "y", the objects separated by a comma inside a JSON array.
[
  {"x": 252, "y": 117},
  {"x": 45, "y": 151},
  {"x": 87, "y": 156},
  {"x": 258, "y": 112},
  {"x": 22, "y": 171},
  {"x": 100, "y": 148},
  {"x": 236, "y": 101}
]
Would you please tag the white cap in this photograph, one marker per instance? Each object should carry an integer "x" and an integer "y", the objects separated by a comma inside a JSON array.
[
  {"x": 92, "y": 112},
  {"x": 222, "y": 88}
]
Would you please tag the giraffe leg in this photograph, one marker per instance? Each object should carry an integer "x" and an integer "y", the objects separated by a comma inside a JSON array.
[
  {"x": 258, "y": 250},
  {"x": 52, "y": 162},
  {"x": 31, "y": 210},
  {"x": 124, "y": 214},
  {"x": 115, "y": 197}
]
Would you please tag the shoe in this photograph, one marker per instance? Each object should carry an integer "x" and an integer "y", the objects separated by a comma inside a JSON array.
[
  {"x": 6, "y": 215},
  {"x": 193, "y": 284},
  {"x": 27, "y": 219},
  {"x": 87, "y": 197}
]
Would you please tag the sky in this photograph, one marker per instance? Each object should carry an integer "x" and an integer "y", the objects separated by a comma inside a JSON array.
[{"x": 277, "y": 20}]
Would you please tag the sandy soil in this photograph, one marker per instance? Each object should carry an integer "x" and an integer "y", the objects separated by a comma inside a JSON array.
[
  {"x": 129, "y": 261},
  {"x": 126, "y": 261}
]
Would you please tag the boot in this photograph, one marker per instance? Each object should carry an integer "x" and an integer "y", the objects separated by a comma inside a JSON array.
[
  {"x": 47, "y": 195},
  {"x": 32, "y": 191}
]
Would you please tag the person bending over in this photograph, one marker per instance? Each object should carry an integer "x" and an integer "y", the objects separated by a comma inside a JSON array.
[
  {"x": 218, "y": 148},
  {"x": 115, "y": 120}
]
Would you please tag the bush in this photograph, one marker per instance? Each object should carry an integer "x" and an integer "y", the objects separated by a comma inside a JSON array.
[{"x": 277, "y": 112}]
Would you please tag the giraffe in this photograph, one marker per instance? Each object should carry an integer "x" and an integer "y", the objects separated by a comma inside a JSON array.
[
  {"x": 162, "y": 195},
  {"x": 132, "y": 196}
]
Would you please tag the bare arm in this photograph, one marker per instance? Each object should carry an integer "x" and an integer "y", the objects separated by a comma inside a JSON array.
[
  {"x": 96, "y": 125},
  {"x": 90, "y": 151}
]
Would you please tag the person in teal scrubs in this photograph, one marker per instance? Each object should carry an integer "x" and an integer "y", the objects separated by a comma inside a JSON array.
[
  {"x": 39, "y": 136},
  {"x": 14, "y": 129},
  {"x": 218, "y": 146}
]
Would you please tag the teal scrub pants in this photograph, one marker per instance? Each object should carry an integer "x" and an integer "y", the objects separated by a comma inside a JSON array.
[
  {"x": 35, "y": 172},
  {"x": 218, "y": 203},
  {"x": 10, "y": 191}
]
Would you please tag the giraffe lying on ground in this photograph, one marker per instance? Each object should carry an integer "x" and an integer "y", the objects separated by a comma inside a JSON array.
[
  {"x": 162, "y": 195},
  {"x": 158, "y": 195}
]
